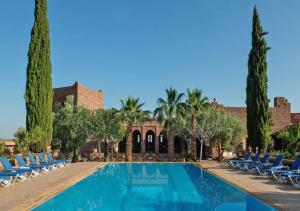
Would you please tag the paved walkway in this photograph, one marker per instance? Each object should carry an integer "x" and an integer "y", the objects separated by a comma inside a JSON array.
[
  {"x": 280, "y": 196},
  {"x": 25, "y": 195}
]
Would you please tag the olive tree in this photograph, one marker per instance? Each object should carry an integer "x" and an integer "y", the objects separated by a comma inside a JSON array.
[
  {"x": 108, "y": 128},
  {"x": 71, "y": 127},
  {"x": 291, "y": 136},
  {"x": 29, "y": 140},
  {"x": 208, "y": 125},
  {"x": 229, "y": 134}
]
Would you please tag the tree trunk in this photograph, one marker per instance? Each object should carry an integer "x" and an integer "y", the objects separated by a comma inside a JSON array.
[
  {"x": 99, "y": 149},
  {"x": 201, "y": 148},
  {"x": 194, "y": 140},
  {"x": 105, "y": 150},
  {"x": 219, "y": 151},
  {"x": 128, "y": 152},
  {"x": 171, "y": 146},
  {"x": 111, "y": 151},
  {"x": 194, "y": 147},
  {"x": 128, "y": 155},
  {"x": 75, "y": 156}
]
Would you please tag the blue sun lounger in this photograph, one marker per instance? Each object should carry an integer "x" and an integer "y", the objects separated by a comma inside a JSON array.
[
  {"x": 50, "y": 158},
  {"x": 234, "y": 163},
  {"x": 292, "y": 177},
  {"x": 43, "y": 161},
  {"x": 262, "y": 168},
  {"x": 275, "y": 173},
  {"x": 6, "y": 181},
  {"x": 39, "y": 168},
  {"x": 47, "y": 165},
  {"x": 248, "y": 166},
  {"x": 242, "y": 165},
  {"x": 5, "y": 162},
  {"x": 21, "y": 176}
]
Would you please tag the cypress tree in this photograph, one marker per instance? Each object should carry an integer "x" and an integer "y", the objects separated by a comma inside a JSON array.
[
  {"x": 39, "y": 92},
  {"x": 258, "y": 113}
]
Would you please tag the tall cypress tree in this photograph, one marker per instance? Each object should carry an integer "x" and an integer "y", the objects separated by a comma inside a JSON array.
[
  {"x": 39, "y": 92},
  {"x": 258, "y": 113}
]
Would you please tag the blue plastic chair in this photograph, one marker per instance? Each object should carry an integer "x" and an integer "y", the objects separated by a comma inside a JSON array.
[
  {"x": 242, "y": 165},
  {"x": 6, "y": 181},
  {"x": 292, "y": 177},
  {"x": 5, "y": 162},
  {"x": 43, "y": 160},
  {"x": 38, "y": 168},
  {"x": 275, "y": 172},
  {"x": 33, "y": 162},
  {"x": 261, "y": 168},
  {"x": 21, "y": 176},
  {"x": 248, "y": 166},
  {"x": 234, "y": 163},
  {"x": 50, "y": 158}
]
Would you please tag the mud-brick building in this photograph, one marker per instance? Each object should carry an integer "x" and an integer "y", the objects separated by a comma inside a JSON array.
[
  {"x": 83, "y": 96},
  {"x": 149, "y": 138},
  {"x": 281, "y": 113}
]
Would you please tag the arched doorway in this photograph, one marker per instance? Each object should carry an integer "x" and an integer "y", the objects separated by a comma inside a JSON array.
[
  {"x": 163, "y": 142},
  {"x": 178, "y": 144},
  {"x": 136, "y": 141},
  {"x": 122, "y": 145},
  {"x": 150, "y": 141}
]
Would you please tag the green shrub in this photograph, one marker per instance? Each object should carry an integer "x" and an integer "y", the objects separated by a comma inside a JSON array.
[
  {"x": 189, "y": 158},
  {"x": 286, "y": 154}
]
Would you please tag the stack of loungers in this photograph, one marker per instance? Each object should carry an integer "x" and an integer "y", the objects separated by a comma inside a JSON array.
[
  {"x": 10, "y": 174},
  {"x": 276, "y": 170}
]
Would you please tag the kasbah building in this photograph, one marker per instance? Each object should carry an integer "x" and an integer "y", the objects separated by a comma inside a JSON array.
[{"x": 149, "y": 139}]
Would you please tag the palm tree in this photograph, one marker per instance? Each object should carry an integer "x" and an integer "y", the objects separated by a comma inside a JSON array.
[
  {"x": 195, "y": 104},
  {"x": 132, "y": 113},
  {"x": 168, "y": 112}
]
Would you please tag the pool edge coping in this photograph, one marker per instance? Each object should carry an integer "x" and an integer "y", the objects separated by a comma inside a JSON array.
[
  {"x": 253, "y": 194},
  {"x": 72, "y": 181},
  {"x": 58, "y": 189}
]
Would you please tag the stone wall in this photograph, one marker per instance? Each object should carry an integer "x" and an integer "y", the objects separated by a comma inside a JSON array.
[
  {"x": 281, "y": 113},
  {"x": 83, "y": 96},
  {"x": 60, "y": 95},
  {"x": 295, "y": 117},
  {"x": 88, "y": 98}
]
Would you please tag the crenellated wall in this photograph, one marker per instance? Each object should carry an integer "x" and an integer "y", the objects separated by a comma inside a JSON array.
[
  {"x": 281, "y": 113},
  {"x": 92, "y": 100}
]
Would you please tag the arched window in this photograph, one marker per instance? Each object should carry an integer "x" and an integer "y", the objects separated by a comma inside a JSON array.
[
  {"x": 150, "y": 141},
  {"x": 163, "y": 142},
  {"x": 136, "y": 141}
]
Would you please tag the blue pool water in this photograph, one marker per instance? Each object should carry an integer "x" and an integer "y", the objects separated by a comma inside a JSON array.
[{"x": 155, "y": 187}]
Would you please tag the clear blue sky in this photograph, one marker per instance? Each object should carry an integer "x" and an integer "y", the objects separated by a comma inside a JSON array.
[{"x": 141, "y": 47}]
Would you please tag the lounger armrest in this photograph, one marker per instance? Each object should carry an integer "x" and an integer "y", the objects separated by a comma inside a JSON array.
[
  {"x": 276, "y": 168},
  {"x": 284, "y": 167},
  {"x": 5, "y": 170},
  {"x": 24, "y": 167}
]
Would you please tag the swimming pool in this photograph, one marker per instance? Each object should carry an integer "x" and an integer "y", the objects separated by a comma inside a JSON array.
[{"x": 152, "y": 187}]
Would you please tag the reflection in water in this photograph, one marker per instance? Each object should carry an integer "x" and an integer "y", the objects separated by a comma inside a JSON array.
[{"x": 152, "y": 187}]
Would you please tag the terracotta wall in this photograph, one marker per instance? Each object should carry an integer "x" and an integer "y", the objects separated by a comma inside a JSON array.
[
  {"x": 88, "y": 98},
  {"x": 83, "y": 96},
  {"x": 60, "y": 95},
  {"x": 281, "y": 113},
  {"x": 295, "y": 117}
]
